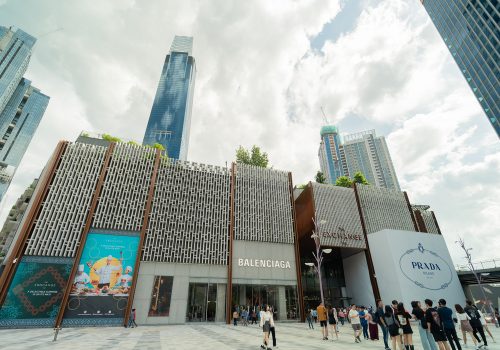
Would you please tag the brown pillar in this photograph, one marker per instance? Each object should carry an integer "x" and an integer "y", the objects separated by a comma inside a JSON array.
[
  {"x": 368, "y": 255},
  {"x": 83, "y": 239},
  {"x": 20, "y": 244},
  {"x": 229, "y": 291},
  {"x": 411, "y": 211},
  {"x": 300, "y": 291},
  {"x": 145, "y": 222}
]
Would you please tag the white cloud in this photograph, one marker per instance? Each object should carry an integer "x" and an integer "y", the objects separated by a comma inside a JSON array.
[{"x": 258, "y": 82}]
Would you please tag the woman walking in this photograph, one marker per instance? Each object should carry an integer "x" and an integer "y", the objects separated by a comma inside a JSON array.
[
  {"x": 465, "y": 326},
  {"x": 426, "y": 338},
  {"x": 266, "y": 322},
  {"x": 393, "y": 327},
  {"x": 341, "y": 316},
  {"x": 332, "y": 320},
  {"x": 485, "y": 325},
  {"x": 310, "y": 319},
  {"x": 404, "y": 320},
  {"x": 372, "y": 326}
]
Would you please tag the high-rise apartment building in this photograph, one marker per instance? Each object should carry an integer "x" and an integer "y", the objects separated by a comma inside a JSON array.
[
  {"x": 170, "y": 119},
  {"x": 365, "y": 152},
  {"x": 21, "y": 105},
  {"x": 470, "y": 30}
]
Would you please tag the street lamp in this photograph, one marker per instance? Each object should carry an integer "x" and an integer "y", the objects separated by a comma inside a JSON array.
[{"x": 318, "y": 256}]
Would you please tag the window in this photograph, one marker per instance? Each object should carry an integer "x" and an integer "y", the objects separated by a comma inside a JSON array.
[{"x": 161, "y": 296}]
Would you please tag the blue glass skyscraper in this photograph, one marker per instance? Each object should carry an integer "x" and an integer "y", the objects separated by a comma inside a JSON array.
[
  {"x": 21, "y": 105},
  {"x": 471, "y": 31},
  {"x": 330, "y": 153},
  {"x": 170, "y": 119}
]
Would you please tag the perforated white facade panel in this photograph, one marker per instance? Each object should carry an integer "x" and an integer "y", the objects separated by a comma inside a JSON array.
[
  {"x": 125, "y": 190},
  {"x": 337, "y": 208},
  {"x": 263, "y": 207},
  {"x": 62, "y": 218},
  {"x": 429, "y": 222},
  {"x": 384, "y": 209},
  {"x": 189, "y": 221}
]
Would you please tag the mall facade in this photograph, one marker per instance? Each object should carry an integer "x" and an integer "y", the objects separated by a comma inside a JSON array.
[{"x": 116, "y": 226}]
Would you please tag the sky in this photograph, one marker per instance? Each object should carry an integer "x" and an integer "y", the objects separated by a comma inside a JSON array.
[{"x": 264, "y": 70}]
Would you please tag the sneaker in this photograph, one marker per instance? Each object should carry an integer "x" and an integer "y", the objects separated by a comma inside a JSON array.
[
  {"x": 263, "y": 347},
  {"x": 356, "y": 340}
]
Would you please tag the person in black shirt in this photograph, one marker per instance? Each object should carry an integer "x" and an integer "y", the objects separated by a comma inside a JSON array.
[
  {"x": 446, "y": 316},
  {"x": 428, "y": 342},
  {"x": 475, "y": 322},
  {"x": 434, "y": 326},
  {"x": 379, "y": 318}
]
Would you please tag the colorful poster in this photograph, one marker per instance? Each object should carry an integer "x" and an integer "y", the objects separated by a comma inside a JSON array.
[
  {"x": 101, "y": 287},
  {"x": 36, "y": 291}
]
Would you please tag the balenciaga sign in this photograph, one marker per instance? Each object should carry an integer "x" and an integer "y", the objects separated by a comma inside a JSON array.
[{"x": 267, "y": 263}]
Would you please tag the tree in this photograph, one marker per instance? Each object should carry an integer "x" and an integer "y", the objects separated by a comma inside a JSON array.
[
  {"x": 320, "y": 178},
  {"x": 110, "y": 138},
  {"x": 253, "y": 157},
  {"x": 360, "y": 178},
  {"x": 343, "y": 181}
]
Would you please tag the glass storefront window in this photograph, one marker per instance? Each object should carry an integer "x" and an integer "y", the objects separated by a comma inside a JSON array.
[
  {"x": 202, "y": 302},
  {"x": 161, "y": 296}
]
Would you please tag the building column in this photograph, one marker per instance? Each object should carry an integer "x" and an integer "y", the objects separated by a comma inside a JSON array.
[
  {"x": 282, "y": 303},
  {"x": 220, "y": 314},
  {"x": 243, "y": 294}
]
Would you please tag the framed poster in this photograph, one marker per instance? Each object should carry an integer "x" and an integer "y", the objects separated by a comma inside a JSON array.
[
  {"x": 35, "y": 293},
  {"x": 100, "y": 290}
]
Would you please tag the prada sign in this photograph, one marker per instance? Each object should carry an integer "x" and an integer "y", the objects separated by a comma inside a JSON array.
[{"x": 268, "y": 263}]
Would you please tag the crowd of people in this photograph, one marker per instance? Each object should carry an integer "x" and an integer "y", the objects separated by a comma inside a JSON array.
[{"x": 436, "y": 324}]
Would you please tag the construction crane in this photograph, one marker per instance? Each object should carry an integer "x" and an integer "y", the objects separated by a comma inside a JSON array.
[{"x": 324, "y": 116}]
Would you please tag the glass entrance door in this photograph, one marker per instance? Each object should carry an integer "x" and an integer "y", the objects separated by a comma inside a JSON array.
[{"x": 202, "y": 302}]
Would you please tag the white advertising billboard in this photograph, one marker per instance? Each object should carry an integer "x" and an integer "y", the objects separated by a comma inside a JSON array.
[{"x": 414, "y": 266}]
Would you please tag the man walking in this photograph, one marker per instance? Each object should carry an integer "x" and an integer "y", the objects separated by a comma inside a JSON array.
[
  {"x": 446, "y": 316},
  {"x": 379, "y": 318},
  {"x": 323, "y": 316},
  {"x": 475, "y": 322},
  {"x": 355, "y": 323}
]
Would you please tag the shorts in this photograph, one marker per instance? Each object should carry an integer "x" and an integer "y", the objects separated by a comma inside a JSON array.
[
  {"x": 322, "y": 323},
  {"x": 439, "y": 335},
  {"x": 393, "y": 330},
  {"x": 356, "y": 326}
]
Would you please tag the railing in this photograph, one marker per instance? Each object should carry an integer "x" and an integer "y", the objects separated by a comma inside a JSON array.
[{"x": 481, "y": 265}]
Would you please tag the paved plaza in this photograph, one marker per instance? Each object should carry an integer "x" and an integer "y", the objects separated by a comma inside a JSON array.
[{"x": 204, "y": 336}]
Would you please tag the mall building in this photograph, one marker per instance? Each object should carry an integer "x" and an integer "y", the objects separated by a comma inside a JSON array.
[{"x": 113, "y": 227}]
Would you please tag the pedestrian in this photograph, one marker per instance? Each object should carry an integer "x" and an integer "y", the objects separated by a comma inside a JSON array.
[
  {"x": 273, "y": 329},
  {"x": 332, "y": 320},
  {"x": 404, "y": 318},
  {"x": 497, "y": 316},
  {"x": 236, "y": 315},
  {"x": 379, "y": 318},
  {"x": 464, "y": 321},
  {"x": 393, "y": 327},
  {"x": 394, "y": 305},
  {"x": 266, "y": 322},
  {"x": 435, "y": 326},
  {"x": 426, "y": 338},
  {"x": 372, "y": 325},
  {"x": 131, "y": 320},
  {"x": 315, "y": 315},
  {"x": 355, "y": 323},
  {"x": 475, "y": 322},
  {"x": 485, "y": 325},
  {"x": 364, "y": 323},
  {"x": 309, "y": 319},
  {"x": 446, "y": 316},
  {"x": 341, "y": 316},
  {"x": 244, "y": 317},
  {"x": 323, "y": 316}
]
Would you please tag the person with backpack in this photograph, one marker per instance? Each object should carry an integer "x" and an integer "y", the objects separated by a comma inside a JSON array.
[
  {"x": 404, "y": 321},
  {"x": 465, "y": 326},
  {"x": 475, "y": 322},
  {"x": 446, "y": 316},
  {"x": 426, "y": 338},
  {"x": 379, "y": 318},
  {"x": 392, "y": 326},
  {"x": 435, "y": 326}
]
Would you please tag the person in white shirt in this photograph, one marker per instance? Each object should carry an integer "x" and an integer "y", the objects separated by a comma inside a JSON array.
[
  {"x": 355, "y": 323},
  {"x": 105, "y": 272},
  {"x": 463, "y": 319},
  {"x": 81, "y": 278},
  {"x": 127, "y": 276},
  {"x": 485, "y": 325},
  {"x": 266, "y": 322}
]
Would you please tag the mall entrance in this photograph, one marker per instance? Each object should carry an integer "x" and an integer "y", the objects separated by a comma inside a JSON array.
[{"x": 202, "y": 302}]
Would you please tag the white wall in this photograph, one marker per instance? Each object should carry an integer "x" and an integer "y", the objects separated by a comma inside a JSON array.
[
  {"x": 414, "y": 266},
  {"x": 357, "y": 279}
]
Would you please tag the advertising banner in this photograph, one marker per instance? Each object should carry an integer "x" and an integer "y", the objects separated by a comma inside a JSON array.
[
  {"x": 101, "y": 287},
  {"x": 36, "y": 291}
]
